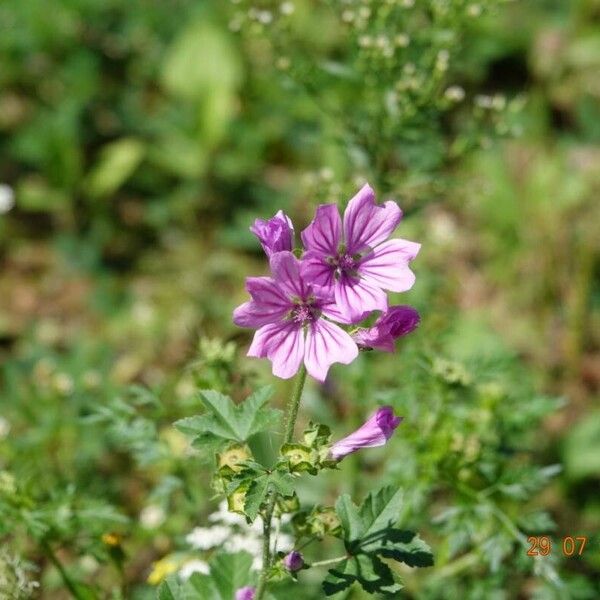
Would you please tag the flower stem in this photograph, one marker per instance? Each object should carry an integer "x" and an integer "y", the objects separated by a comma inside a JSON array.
[
  {"x": 290, "y": 422},
  {"x": 329, "y": 561},
  {"x": 69, "y": 583}
]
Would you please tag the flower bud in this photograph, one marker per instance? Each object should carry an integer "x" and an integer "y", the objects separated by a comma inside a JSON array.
[
  {"x": 276, "y": 234},
  {"x": 245, "y": 593},
  {"x": 398, "y": 321},
  {"x": 293, "y": 561},
  {"x": 376, "y": 431}
]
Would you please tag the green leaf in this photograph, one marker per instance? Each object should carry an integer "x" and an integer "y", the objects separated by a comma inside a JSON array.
[
  {"x": 369, "y": 535},
  {"x": 282, "y": 483},
  {"x": 350, "y": 518},
  {"x": 169, "y": 589},
  {"x": 255, "y": 496},
  {"x": 373, "y": 575},
  {"x": 197, "y": 587},
  {"x": 230, "y": 572},
  {"x": 118, "y": 160},
  {"x": 381, "y": 509},
  {"x": 228, "y": 421}
]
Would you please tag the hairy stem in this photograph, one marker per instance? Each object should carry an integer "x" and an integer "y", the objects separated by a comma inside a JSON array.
[{"x": 290, "y": 422}]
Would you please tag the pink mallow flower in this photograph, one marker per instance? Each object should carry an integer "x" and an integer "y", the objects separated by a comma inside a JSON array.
[
  {"x": 288, "y": 310},
  {"x": 396, "y": 322},
  {"x": 276, "y": 234},
  {"x": 375, "y": 432},
  {"x": 245, "y": 593},
  {"x": 353, "y": 258},
  {"x": 293, "y": 561}
]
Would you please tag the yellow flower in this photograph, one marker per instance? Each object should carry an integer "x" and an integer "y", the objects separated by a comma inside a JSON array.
[
  {"x": 111, "y": 539},
  {"x": 160, "y": 569}
]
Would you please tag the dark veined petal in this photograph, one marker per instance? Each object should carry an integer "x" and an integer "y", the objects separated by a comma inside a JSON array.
[
  {"x": 252, "y": 314},
  {"x": 376, "y": 431},
  {"x": 283, "y": 344},
  {"x": 324, "y": 234},
  {"x": 387, "y": 265},
  {"x": 326, "y": 344},
  {"x": 355, "y": 297},
  {"x": 366, "y": 224},
  {"x": 276, "y": 234},
  {"x": 285, "y": 268},
  {"x": 317, "y": 270}
]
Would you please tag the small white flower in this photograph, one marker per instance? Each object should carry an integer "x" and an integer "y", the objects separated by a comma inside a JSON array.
[
  {"x": 455, "y": 93},
  {"x": 287, "y": 8},
  {"x": 193, "y": 566},
  {"x": 265, "y": 17},
  {"x": 152, "y": 516},
  {"x": 204, "y": 538},
  {"x": 4, "y": 427},
  {"x": 7, "y": 198},
  {"x": 223, "y": 515}
]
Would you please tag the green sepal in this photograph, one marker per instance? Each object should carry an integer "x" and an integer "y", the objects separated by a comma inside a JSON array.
[
  {"x": 319, "y": 522},
  {"x": 300, "y": 458},
  {"x": 317, "y": 435}
]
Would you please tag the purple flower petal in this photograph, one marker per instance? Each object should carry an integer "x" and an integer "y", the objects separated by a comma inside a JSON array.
[
  {"x": 293, "y": 561},
  {"x": 286, "y": 272},
  {"x": 245, "y": 593},
  {"x": 376, "y": 431},
  {"x": 325, "y": 231},
  {"x": 316, "y": 269},
  {"x": 265, "y": 290},
  {"x": 366, "y": 224},
  {"x": 387, "y": 265},
  {"x": 283, "y": 344},
  {"x": 268, "y": 304},
  {"x": 354, "y": 297},
  {"x": 252, "y": 314},
  {"x": 276, "y": 234},
  {"x": 326, "y": 344},
  {"x": 396, "y": 322}
]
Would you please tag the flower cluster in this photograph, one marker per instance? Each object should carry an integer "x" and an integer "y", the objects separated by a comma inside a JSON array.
[
  {"x": 231, "y": 533},
  {"x": 346, "y": 267}
]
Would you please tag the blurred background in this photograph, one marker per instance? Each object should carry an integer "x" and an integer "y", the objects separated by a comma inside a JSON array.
[{"x": 138, "y": 142}]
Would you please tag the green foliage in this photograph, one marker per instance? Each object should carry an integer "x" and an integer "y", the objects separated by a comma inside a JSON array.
[
  {"x": 370, "y": 534},
  {"x": 225, "y": 420},
  {"x": 142, "y": 139},
  {"x": 228, "y": 573}
]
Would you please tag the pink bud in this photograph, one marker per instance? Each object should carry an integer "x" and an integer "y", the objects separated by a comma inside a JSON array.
[
  {"x": 396, "y": 322},
  {"x": 293, "y": 561},
  {"x": 245, "y": 593},
  {"x": 276, "y": 234},
  {"x": 376, "y": 431}
]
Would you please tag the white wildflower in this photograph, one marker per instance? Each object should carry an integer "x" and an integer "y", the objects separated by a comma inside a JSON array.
[
  {"x": 152, "y": 516},
  {"x": 455, "y": 93},
  {"x": 7, "y": 198},
  {"x": 402, "y": 40},
  {"x": 193, "y": 566},
  {"x": 224, "y": 516},
  {"x": 4, "y": 427},
  {"x": 204, "y": 538},
  {"x": 287, "y": 8}
]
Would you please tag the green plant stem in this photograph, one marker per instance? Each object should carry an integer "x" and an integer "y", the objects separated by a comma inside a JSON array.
[
  {"x": 290, "y": 422},
  {"x": 69, "y": 583},
  {"x": 329, "y": 561}
]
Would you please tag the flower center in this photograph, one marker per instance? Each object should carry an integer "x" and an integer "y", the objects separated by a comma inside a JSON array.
[
  {"x": 304, "y": 312},
  {"x": 344, "y": 264}
]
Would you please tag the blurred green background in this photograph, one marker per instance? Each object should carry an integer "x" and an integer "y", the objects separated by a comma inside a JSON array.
[{"x": 138, "y": 142}]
